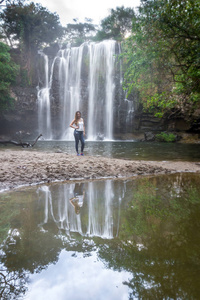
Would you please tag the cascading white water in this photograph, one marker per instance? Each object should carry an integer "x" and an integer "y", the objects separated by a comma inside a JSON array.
[
  {"x": 70, "y": 61},
  {"x": 44, "y": 112},
  {"x": 44, "y": 103},
  {"x": 99, "y": 86},
  {"x": 110, "y": 88},
  {"x": 130, "y": 111},
  {"x": 101, "y": 90}
]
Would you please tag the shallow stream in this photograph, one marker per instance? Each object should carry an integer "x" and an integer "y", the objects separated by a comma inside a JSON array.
[{"x": 123, "y": 149}]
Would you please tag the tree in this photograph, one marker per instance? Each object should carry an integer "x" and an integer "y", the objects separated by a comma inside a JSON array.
[
  {"x": 162, "y": 55},
  {"x": 180, "y": 23},
  {"x": 117, "y": 25},
  {"x": 8, "y": 72},
  {"x": 80, "y": 32},
  {"x": 32, "y": 26}
]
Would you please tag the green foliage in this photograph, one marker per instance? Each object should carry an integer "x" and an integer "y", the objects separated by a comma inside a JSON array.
[
  {"x": 162, "y": 55},
  {"x": 116, "y": 25},
  {"x": 8, "y": 72},
  {"x": 159, "y": 103},
  {"x": 80, "y": 32},
  {"x": 165, "y": 137},
  {"x": 32, "y": 24},
  {"x": 24, "y": 78}
]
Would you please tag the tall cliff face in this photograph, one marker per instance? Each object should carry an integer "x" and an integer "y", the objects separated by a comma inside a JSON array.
[{"x": 23, "y": 115}]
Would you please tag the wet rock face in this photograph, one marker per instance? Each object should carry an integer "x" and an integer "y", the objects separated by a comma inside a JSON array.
[{"x": 23, "y": 116}]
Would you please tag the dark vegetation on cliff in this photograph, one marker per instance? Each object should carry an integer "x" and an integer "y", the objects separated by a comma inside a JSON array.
[{"x": 160, "y": 43}]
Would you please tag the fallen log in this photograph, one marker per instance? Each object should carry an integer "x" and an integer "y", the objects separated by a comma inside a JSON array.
[{"x": 20, "y": 143}]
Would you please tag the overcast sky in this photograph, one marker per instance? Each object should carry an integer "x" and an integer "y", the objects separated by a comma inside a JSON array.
[{"x": 81, "y": 9}]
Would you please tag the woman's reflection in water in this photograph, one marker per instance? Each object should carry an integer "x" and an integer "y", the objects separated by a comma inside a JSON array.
[{"x": 79, "y": 195}]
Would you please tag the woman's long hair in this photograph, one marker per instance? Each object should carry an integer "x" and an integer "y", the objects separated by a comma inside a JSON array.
[{"x": 76, "y": 117}]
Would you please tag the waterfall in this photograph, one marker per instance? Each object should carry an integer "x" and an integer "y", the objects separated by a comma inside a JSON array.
[
  {"x": 80, "y": 78},
  {"x": 130, "y": 111},
  {"x": 70, "y": 61},
  {"x": 44, "y": 112},
  {"x": 101, "y": 90}
]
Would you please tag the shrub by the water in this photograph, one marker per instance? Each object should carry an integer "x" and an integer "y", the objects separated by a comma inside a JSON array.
[{"x": 165, "y": 137}]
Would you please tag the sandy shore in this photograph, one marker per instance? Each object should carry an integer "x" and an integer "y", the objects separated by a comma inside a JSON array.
[{"x": 24, "y": 167}]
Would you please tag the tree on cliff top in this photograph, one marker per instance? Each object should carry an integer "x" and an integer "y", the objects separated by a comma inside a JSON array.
[
  {"x": 31, "y": 26},
  {"x": 79, "y": 33},
  {"x": 117, "y": 25}
]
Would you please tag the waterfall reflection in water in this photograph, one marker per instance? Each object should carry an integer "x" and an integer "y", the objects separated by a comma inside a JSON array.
[{"x": 66, "y": 205}]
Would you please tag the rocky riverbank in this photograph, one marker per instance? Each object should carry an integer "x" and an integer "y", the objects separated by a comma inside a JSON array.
[{"x": 24, "y": 167}]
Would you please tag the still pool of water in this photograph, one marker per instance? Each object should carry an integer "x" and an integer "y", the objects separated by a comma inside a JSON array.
[
  {"x": 124, "y": 149},
  {"x": 113, "y": 239}
]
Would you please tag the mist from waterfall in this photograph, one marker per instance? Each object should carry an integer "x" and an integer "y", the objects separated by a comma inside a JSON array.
[{"x": 86, "y": 81}]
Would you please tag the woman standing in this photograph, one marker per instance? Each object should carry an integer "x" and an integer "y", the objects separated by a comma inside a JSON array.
[{"x": 79, "y": 132}]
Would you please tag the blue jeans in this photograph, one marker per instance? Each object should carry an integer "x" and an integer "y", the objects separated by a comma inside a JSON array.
[{"x": 79, "y": 136}]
